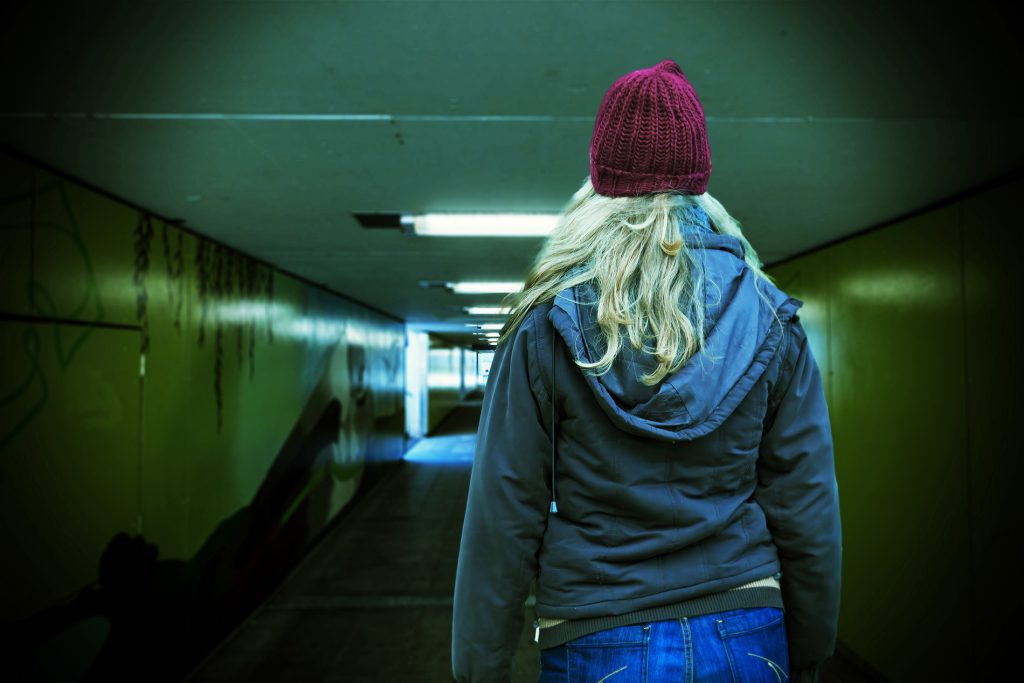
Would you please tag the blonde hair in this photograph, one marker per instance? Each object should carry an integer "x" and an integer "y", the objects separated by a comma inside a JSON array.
[{"x": 631, "y": 247}]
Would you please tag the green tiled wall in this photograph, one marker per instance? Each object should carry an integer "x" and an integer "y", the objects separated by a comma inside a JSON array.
[
  {"x": 155, "y": 383},
  {"x": 914, "y": 327}
]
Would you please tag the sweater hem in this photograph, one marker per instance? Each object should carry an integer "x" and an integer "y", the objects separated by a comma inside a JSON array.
[
  {"x": 559, "y": 634},
  {"x": 674, "y": 595}
]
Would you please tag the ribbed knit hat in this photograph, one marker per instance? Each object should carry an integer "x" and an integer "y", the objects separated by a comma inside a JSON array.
[{"x": 650, "y": 135}]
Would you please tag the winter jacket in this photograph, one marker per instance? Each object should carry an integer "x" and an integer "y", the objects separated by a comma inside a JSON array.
[{"x": 720, "y": 474}]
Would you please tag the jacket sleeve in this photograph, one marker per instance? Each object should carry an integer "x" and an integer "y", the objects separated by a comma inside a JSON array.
[
  {"x": 798, "y": 492},
  {"x": 506, "y": 513}
]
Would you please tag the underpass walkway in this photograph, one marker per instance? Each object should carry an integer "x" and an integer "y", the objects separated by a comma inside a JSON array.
[{"x": 373, "y": 600}]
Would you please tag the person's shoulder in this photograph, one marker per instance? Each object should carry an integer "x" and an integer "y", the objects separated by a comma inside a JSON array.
[
  {"x": 782, "y": 301},
  {"x": 781, "y": 310},
  {"x": 536, "y": 318},
  {"x": 529, "y": 330}
]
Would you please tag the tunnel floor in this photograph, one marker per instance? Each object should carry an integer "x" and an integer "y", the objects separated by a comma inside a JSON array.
[{"x": 372, "y": 601}]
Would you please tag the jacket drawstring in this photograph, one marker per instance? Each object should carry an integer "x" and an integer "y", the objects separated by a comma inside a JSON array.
[{"x": 554, "y": 505}]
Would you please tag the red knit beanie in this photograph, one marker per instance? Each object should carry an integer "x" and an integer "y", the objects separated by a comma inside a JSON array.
[{"x": 650, "y": 135}]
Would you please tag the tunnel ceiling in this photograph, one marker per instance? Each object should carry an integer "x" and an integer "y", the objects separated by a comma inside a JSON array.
[{"x": 267, "y": 125}]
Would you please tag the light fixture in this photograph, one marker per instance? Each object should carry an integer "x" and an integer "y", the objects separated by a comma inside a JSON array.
[
  {"x": 480, "y": 224},
  {"x": 484, "y": 287},
  {"x": 486, "y": 310}
]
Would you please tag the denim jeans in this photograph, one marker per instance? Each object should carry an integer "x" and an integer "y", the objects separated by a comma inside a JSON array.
[{"x": 737, "y": 645}]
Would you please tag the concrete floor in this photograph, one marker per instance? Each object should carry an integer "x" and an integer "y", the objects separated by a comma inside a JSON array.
[{"x": 372, "y": 601}]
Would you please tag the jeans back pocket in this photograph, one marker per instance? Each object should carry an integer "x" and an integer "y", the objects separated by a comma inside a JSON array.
[
  {"x": 755, "y": 644},
  {"x": 615, "y": 655}
]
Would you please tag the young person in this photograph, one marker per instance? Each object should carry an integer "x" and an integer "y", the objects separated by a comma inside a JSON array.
[{"x": 654, "y": 446}]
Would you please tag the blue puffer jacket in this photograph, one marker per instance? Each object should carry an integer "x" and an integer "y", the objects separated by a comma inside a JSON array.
[{"x": 720, "y": 474}]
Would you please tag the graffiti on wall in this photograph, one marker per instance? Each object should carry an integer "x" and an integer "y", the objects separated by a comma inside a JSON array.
[
  {"x": 136, "y": 273},
  {"x": 26, "y": 393}
]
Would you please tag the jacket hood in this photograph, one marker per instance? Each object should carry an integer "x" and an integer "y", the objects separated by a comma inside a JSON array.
[{"x": 741, "y": 333}]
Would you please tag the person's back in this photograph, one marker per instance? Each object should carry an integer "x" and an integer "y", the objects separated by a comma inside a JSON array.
[{"x": 689, "y": 496}]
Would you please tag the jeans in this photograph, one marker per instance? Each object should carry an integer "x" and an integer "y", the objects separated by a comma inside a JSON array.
[{"x": 737, "y": 645}]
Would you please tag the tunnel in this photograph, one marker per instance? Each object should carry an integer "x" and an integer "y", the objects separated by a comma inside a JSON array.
[{"x": 259, "y": 262}]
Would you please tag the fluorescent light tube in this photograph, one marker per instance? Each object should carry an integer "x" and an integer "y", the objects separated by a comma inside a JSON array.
[
  {"x": 486, "y": 310},
  {"x": 485, "y": 287},
  {"x": 481, "y": 224}
]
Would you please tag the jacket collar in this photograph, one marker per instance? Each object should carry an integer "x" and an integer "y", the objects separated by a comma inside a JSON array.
[{"x": 695, "y": 228}]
